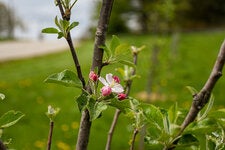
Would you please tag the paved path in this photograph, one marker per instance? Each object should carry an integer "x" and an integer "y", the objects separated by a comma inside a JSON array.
[{"x": 12, "y": 50}]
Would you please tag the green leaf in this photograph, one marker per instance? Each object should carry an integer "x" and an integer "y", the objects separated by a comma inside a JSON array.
[
  {"x": 57, "y": 24},
  {"x": 114, "y": 43},
  {"x": 187, "y": 140},
  {"x": 82, "y": 101},
  {"x": 121, "y": 105},
  {"x": 205, "y": 126},
  {"x": 219, "y": 114},
  {"x": 95, "y": 108},
  {"x": 122, "y": 49},
  {"x": 50, "y": 30},
  {"x": 65, "y": 24},
  {"x": 192, "y": 90},
  {"x": 153, "y": 115},
  {"x": 173, "y": 113},
  {"x": 128, "y": 63},
  {"x": 10, "y": 118},
  {"x": 60, "y": 35},
  {"x": 107, "y": 51},
  {"x": 66, "y": 78},
  {"x": 2, "y": 96},
  {"x": 72, "y": 25},
  {"x": 209, "y": 107},
  {"x": 166, "y": 122}
]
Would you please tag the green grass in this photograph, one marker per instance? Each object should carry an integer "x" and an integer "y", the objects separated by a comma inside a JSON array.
[{"x": 22, "y": 83}]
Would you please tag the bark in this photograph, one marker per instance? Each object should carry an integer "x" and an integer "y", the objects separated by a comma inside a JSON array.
[
  {"x": 201, "y": 99},
  {"x": 100, "y": 36}
]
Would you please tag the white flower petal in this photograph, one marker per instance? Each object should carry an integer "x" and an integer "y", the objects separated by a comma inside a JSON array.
[
  {"x": 103, "y": 81},
  {"x": 109, "y": 78},
  {"x": 117, "y": 88}
]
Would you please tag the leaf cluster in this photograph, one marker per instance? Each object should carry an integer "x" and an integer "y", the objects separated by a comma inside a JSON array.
[{"x": 64, "y": 27}]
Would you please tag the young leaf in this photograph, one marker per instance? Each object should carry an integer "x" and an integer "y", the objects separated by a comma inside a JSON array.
[
  {"x": 10, "y": 118},
  {"x": 50, "y": 30},
  {"x": 192, "y": 90},
  {"x": 107, "y": 51},
  {"x": 82, "y": 101},
  {"x": 122, "y": 49},
  {"x": 153, "y": 115},
  {"x": 114, "y": 43},
  {"x": 60, "y": 35},
  {"x": 2, "y": 96},
  {"x": 95, "y": 108},
  {"x": 128, "y": 63},
  {"x": 173, "y": 112},
  {"x": 67, "y": 78},
  {"x": 121, "y": 105},
  {"x": 57, "y": 24},
  {"x": 209, "y": 107},
  {"x": 72, "y": 25}
]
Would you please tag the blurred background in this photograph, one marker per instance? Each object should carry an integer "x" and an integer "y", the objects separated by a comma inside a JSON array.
[{"x": 182, "y": 39}]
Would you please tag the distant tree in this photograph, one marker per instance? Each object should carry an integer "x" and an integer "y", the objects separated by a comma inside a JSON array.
[{"x": 8, "y": 22}]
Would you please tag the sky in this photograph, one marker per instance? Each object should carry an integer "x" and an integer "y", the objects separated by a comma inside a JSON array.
[{"x": 39, "y": 14}]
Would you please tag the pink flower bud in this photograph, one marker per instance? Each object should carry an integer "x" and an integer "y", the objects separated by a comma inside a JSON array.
[
  {"x": 106, "y": 90},
  {"x": 93, "y": 76},
  {"x": 116, "y": 79},
  {"x": 122, "y": 96}
]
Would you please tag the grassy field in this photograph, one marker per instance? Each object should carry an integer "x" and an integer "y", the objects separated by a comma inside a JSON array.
[{"x": 22, "y": 83}]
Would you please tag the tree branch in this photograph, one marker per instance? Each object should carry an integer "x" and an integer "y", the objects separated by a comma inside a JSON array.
[
  {"x": 100, "y": 36},
  {"x": 201, "y": 99}
]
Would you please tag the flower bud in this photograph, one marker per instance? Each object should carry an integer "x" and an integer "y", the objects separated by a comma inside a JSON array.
[
  {"x": 121, "y": 96},
  {"x": 93, "y": 76},
  {"x": 116, "y": 79},
  {"x": 106, "y": 90}
]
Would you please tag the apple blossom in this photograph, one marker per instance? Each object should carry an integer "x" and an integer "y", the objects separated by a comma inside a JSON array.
[
  {"x": 106, "y": 90},
  {"x": 111, "y": 83},
  {"x": 116, "y": 79},
  {"x": 93, "y": 76},
  {"x": 121, "y": 96}
]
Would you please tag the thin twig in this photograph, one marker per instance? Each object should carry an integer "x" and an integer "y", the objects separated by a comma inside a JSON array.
[
  {"x": 202, "y": 98},
  {"x": 112, "y": 128},
  {"x": 133, "y": 138},
  {"x": 70, "y": 43},
  {"x": 50, "y": 135},
  {"x": 100, "y": 36}
]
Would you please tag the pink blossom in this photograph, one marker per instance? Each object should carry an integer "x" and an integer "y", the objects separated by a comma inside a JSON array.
[
  {"x": 110, "y": 82},
  {"x": 116, "y": 79},
  {"x": 121, "y": 96},
  {"x": 93, "y": 76},
  {"x": 106, "y": 90}
]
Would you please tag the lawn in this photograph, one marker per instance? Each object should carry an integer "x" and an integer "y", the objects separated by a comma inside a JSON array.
[{"x": 22, "y": 83}]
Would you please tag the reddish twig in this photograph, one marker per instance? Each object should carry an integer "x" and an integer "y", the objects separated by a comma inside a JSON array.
[
  {"x": 2, "y": 146},
  {"x": 133, "y": 138},
  {"x": 50, "y": 135},
  {"x": 112, "y": 128}
]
